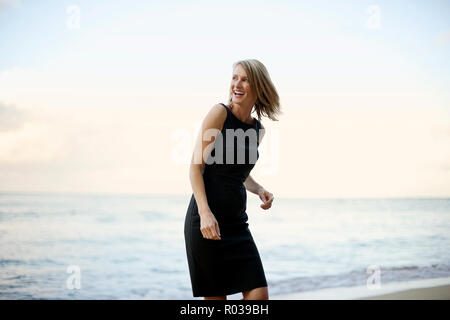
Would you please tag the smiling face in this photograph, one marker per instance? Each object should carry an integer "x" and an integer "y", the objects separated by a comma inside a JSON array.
[{"x": 241, "y": 91}]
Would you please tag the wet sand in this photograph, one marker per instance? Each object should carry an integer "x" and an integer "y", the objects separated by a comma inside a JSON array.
[
  {"x": 432, "y": 293},
  {"x": 424, "y": 289}
]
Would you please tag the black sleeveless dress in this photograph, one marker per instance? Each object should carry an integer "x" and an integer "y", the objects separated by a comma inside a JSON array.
[{"x": 232, "y": 264}]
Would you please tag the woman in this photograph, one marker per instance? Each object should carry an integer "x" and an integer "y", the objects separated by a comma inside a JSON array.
[{"x": 222, "y": 256}]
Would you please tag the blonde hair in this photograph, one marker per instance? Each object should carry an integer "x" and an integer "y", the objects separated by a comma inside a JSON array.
[{"x": 267, "y": 99}]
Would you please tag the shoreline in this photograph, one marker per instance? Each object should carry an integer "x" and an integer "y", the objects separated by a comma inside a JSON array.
[{"x": 423, "y": 289}]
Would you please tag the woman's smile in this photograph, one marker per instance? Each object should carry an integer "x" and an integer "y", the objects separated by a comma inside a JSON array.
[{"x": 238, "y": 93}]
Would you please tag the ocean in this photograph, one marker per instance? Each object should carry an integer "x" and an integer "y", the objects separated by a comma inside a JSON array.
[{"x": 128, "y": 246}]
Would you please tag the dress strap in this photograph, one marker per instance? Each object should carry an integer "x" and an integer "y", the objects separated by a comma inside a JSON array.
[
  {"x": 258, "y": 127},
  {"x": 225, "y": 106}
]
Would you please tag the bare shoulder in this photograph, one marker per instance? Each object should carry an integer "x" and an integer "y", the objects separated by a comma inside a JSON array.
[{"x": 215, "y": 118}]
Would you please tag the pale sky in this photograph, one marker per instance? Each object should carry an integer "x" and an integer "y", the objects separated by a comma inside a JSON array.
[{"x": 102, "y": 96}]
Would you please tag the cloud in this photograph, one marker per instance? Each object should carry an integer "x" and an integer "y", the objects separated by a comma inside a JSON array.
[
  {"x": 11, "y": 118},
  {"x": 10, "y": 3},
  {"x": 27, "y": 138},
  {"x": 442, "y": 39}
]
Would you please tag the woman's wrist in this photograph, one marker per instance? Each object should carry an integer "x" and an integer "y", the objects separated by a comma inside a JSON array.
[
  {"x": 202, "y": 211},
  {"x": 260, "y": 189}
]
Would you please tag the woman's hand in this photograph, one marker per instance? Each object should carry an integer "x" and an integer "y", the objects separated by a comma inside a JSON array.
[
  {"x": 266, "y": 197},
  {"x": 209, "y": 226}
]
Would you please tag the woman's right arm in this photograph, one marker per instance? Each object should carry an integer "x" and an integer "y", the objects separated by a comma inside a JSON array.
[{"x": 212, "y": 125}]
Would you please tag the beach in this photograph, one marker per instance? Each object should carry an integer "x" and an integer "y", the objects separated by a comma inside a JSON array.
[
  {"x": 433, "y": 293},
  {"x": 310, "y": 248},
  {"x": 423, "y": 289}
]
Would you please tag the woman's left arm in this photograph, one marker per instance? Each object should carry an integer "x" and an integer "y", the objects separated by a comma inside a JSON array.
[
  {"x": 254, "y": 187},
  {"x": 251, "y": 185}
]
